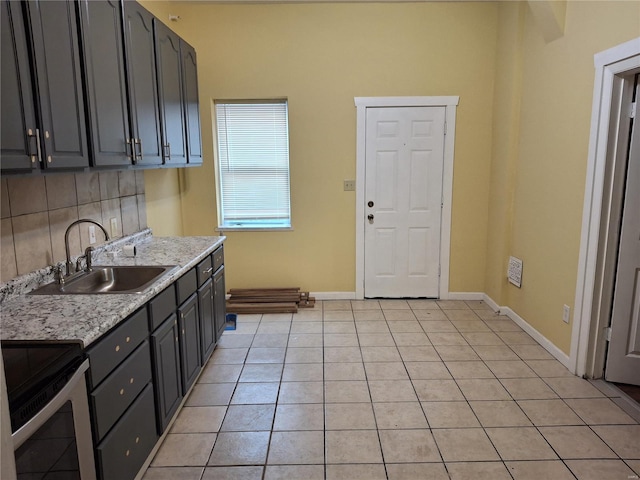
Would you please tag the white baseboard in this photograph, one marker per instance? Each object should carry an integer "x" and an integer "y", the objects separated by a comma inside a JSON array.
[
  {"x": 464, "y": 296},
  {"x": 333, "y": 295},
  {"x": 489, "y": 301},
  {"x": 538, "y": 337}
]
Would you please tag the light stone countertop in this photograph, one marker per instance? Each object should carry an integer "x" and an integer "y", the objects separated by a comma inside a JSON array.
[{"x": 85, "y": 318}]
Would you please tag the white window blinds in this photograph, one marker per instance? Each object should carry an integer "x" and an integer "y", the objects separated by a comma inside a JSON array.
[{"x": 253, "y": 164}]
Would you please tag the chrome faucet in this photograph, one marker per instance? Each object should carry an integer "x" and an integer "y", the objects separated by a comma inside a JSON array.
[{"x": 70, "y": 266}]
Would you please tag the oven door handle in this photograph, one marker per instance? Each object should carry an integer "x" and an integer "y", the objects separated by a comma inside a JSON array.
[{"x": 75, "y": 391}]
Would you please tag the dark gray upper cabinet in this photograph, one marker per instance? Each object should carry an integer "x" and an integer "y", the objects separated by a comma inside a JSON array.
[
  {"x": 49, "y": 132},
  {"x": 18, "y": 143},
  {"x": 168, "y": 63},
  {"x": 192, "y": 110},
  {"x": 107, "y": 93},
  {"x": 141, "y": 78}
]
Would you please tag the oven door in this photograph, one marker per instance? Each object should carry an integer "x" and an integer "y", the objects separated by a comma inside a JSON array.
[{"x": 56, "y": 442}]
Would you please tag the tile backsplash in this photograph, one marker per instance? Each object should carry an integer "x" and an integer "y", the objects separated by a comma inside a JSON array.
[{"x": 35, "y": 212}]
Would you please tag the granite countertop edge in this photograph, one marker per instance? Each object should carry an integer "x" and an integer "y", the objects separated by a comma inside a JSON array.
[{"x": 85, "y": 318}]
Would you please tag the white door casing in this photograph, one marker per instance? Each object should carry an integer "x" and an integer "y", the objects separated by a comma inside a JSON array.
[
  {"x": 403, "y": 195},
  {"x": 588, "y": 329},
  {"x": 363, "y": 104},
  {"x": 623, "y": 357}
]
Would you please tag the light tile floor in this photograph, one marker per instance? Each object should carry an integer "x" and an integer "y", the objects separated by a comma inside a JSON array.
[{"x": 394, "y": 389}]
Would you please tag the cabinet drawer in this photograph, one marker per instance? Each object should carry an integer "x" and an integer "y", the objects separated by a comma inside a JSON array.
[
  {"x": 163, "y": 305},
  {"x": 119, "y": 389},
  {"x": 124, "y": 450},
  {"x": 116, "y": 346},
  {"x": 186, "y": 285},
  {"x": 204, "y": 270},
  {"x": 218, "y": 258}
]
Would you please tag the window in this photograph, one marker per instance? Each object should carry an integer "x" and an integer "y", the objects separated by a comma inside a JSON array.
[{"x": 253, "y": 164}]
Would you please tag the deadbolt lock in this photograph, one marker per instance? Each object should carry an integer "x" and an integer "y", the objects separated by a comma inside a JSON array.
[{"x": 370, "y": 203}]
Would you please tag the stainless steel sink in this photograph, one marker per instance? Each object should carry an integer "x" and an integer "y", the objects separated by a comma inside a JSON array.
[{"x": 132, "y": 279}]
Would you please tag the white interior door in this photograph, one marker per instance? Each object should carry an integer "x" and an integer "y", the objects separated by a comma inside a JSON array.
[
  {"x": 403, "y": 201},
  {"x": 623, "y": 357}
]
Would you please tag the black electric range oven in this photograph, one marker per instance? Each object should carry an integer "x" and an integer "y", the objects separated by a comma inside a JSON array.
[{"x": 49, "y": 409}]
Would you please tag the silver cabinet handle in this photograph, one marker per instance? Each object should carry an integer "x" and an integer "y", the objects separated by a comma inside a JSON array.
[
  {"x": 137, "y": 152},
  {"x": 130, "y": 149},
  {"x": 30, "y": 135},
  {"x": 38, "y": 146},
  {"x": 167, "y": 151}
]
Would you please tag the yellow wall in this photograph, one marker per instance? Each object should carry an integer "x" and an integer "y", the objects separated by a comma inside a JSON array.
[
  {"x": 550, "y": 158},
  {"x": 321, "y": 56},
  {"x": 521, "y": 138},
  {"x": 506, "y": 116}
]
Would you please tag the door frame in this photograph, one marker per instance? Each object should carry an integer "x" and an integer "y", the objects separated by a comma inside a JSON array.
[
  {"x": 450, "y": 103},
  {"x": 587, "y": 355}
]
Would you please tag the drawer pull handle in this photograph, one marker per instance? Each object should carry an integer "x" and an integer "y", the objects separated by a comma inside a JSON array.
[
  {"x": 137, "y": 439},
  {"x": 183, "y": 331},
  {"x": 131, "y": 381},
  {"x": 117, "y": 348},
  {"x": 209, "y": 270},
  {"x": 176, "y": 339},
  {"x": 127, "y": 454},
  {"x": 122, "y": 391},
  {"x": 128, "y": 339}
]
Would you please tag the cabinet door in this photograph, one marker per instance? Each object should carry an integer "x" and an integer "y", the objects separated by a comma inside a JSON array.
[
  {"x": 63, "y": 134},
  {"x": 207, "y": 321},
  {"x": 18, "y": 118},
  {"x": 192, "y": 108},
  {"x": 142, "y": 83},
  {"x": 172, "y": 109},
  {"x": 124, "y": 450},
  {"x": 189, "y": 341},
  {"x": 219, "y": 302},
  {"x": 167, "y": 374},
  {"x": 106, "y": 88}
]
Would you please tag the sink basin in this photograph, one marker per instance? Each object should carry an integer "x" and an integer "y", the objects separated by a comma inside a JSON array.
[{"x": 132, "y": 279}]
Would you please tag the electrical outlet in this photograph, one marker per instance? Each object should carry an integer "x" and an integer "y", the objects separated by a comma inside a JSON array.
[
  {"x": 349, "y": 185},
  {"x": 566, "y": 313},
  {"x": 92, "y": 234},
  {"x": 114, "y": 227}
]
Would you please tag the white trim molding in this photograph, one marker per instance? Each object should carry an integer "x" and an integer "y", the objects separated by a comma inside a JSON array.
[
  {"x": 333, "y": 295},
  {"x": 608, "y": 64},
  {"x": 450, "y": 103}
]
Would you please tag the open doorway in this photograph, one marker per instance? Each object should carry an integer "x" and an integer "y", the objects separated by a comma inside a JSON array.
[{"x": 606, "y": 336}]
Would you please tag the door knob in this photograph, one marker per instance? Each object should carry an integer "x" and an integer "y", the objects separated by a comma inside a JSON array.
[{"x": 370, "y": 218}]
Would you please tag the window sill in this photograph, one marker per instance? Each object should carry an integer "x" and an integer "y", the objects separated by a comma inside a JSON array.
[{"x": 254, "y": 229}]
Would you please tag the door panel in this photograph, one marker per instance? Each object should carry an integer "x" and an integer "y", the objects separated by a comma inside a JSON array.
[
  {"x": 403, "y": 179},
  {"x": 623, "y": 358},
  {"x": 17, "y": 149},
  {"x": 59, "y": 83},
  {"x": 143, "y": 102},
  {"x": 190, "y": 76},
  {"x": 168, "y": 61},
  {"x": 107, "y": 94}
]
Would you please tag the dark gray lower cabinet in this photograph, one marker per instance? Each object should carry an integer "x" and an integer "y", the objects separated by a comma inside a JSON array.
[
  {"x": 188, "y": 323},
  {"x": 167, "y": 376},
  {"x": 219, "y": 302},
  {"x": 138, "y": 379},
  {"x": 207, "y": 320},
  {"x": 123, "y": 451},
  {"x": 114, "y": 395}
]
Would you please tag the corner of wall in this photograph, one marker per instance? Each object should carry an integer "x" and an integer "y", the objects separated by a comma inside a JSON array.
[{"x": 506, "y": 126}]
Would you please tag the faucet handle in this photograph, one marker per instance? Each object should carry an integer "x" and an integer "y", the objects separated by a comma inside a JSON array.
[{"x": 58, "y": 275}]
